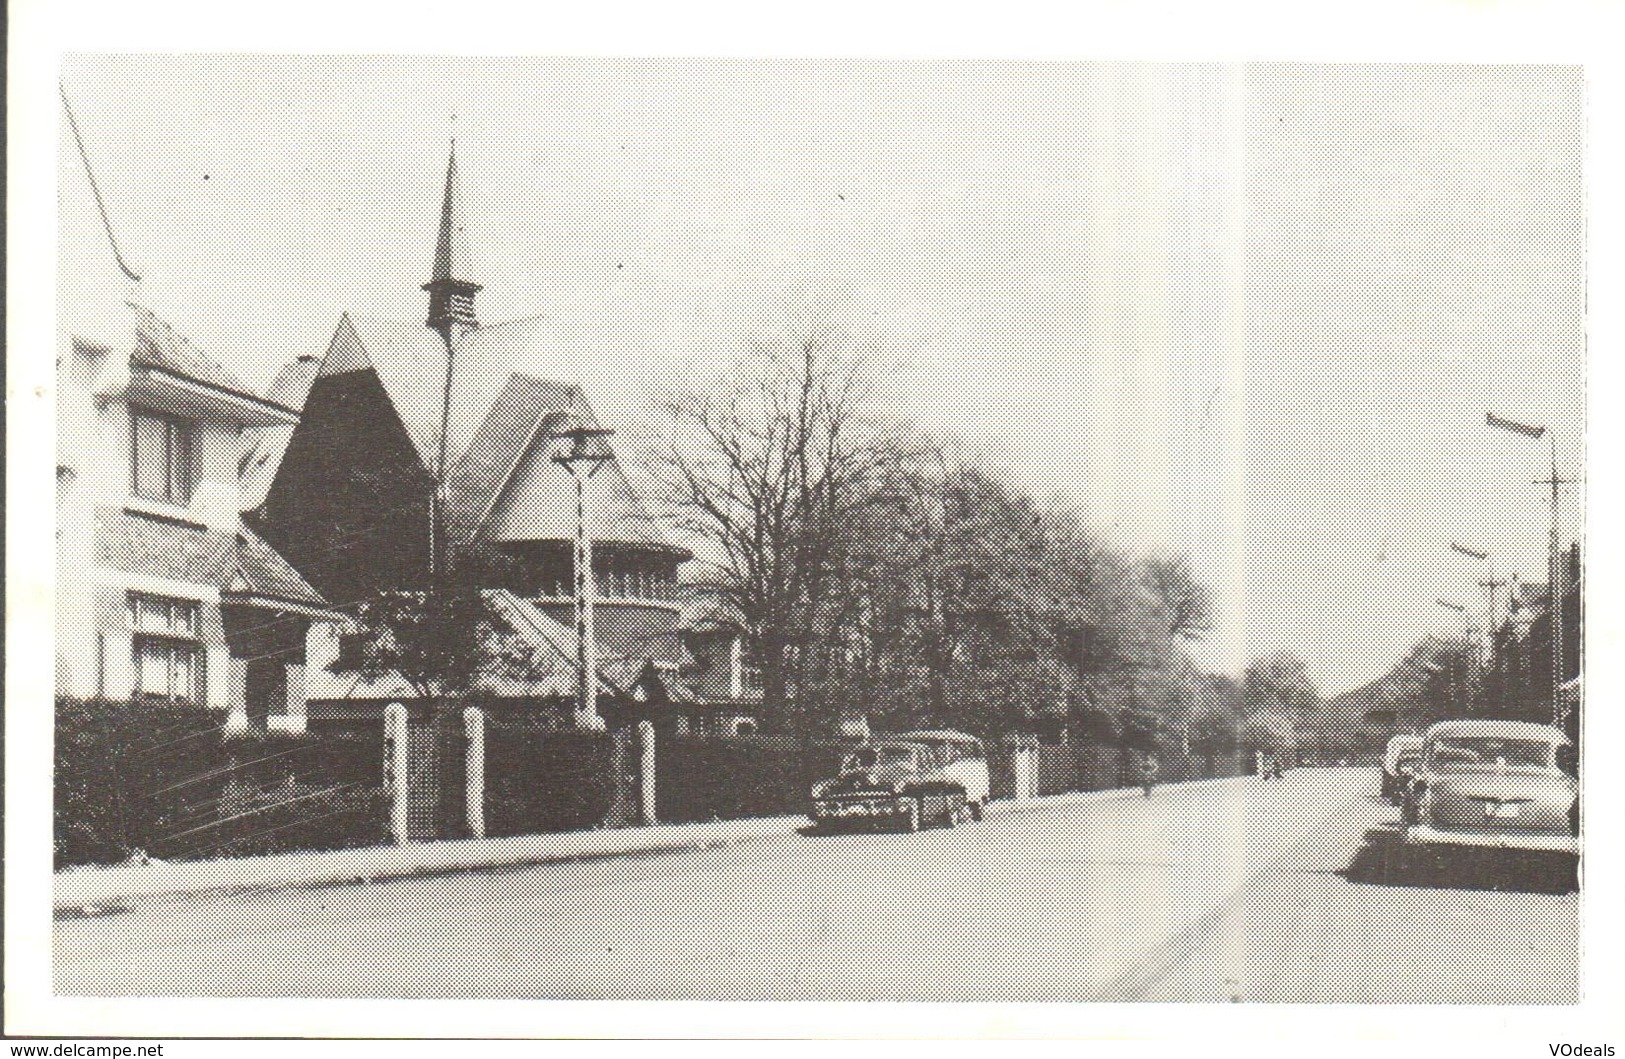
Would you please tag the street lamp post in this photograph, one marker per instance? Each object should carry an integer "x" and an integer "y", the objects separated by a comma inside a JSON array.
[
  {"x": 1464, "y": 696},
  {"x": 1554, "y": 559},
  {"x": 582, "y": 462},
  {"x": 1490, "y": 584}
]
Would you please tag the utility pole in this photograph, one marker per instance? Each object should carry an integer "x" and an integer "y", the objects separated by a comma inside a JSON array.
[
  {"x": 1486, "y": 655},
  {"x": 1554, "y": 584},
  {"x": 583, "y": 461},
  {"x": 1554, "y": 558},
  {"x": 1464, "y": 692},
  {"x": 1490, "y": 587}
]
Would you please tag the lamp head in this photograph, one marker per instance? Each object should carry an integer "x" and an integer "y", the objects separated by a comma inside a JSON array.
[{"x": 1526, "y": 429}]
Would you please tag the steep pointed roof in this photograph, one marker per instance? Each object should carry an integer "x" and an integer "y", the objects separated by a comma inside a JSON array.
[
  {"x": 506, "y": 487},
  {"x": 525, "y": 411},
  {"x": 407, "y": 359},
  {"x": 451, "y": 257},
  {"x": 266, "y": 445},
  {"x": 501, "y": 485}
]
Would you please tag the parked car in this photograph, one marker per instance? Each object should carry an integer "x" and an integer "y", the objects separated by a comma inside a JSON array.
[
  {"x": 1393, "y": 784},
  {"x": 964, "y": 760},
  {"x": 1495, "y": 784},
  {"x": 905, "y": 782}
]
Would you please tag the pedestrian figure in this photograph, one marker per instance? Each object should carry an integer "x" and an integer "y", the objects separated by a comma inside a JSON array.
[
  {"x": 1148, "y": 774},
  {"x": 1258, "y": 764}
]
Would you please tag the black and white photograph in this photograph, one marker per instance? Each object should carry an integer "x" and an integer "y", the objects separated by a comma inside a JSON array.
[{"x": 1090, "y": 533}]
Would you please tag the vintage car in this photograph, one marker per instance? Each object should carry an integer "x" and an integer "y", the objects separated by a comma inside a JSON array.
[
  {"x": 1393, "y": 783},
  {"x": 964, "y": 760},
  {"x": 1495, "y": 784},
  {"x": 905, "y": 782}
]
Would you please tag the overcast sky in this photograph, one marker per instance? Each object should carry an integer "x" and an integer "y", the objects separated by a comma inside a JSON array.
[{"x": 1255, "y": 314}]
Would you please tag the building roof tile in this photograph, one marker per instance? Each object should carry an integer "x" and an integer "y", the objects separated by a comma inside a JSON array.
[
  {"x": 553, "y": 645},
  {"x": 158, "y": 345},
  {"x": 176, "y": 550},
  {"x": 268, "y": 574}
]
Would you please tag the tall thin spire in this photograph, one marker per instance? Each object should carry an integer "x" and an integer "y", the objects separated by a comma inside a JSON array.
[
  {"x": 451, "y": 292},
  {"x": 451, "y": 313}
]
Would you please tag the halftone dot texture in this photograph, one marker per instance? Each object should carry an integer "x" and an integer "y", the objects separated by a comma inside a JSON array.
[
  {"x": 1235, "y": 890},
  {"x": 1240, "y": 890}
]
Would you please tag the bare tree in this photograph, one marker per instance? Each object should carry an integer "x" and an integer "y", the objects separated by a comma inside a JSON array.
[
  {"x": 780, "y": 471},
  {"x": 870, "y": 570}
]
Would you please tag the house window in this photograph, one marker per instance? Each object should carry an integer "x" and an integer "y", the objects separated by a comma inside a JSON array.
[
  {"x": 160, "y": 457},
  {"x": 167, "y": 654}
]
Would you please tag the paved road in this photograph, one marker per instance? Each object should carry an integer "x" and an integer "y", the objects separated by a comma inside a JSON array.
[{"x": 1243, "y": 890}]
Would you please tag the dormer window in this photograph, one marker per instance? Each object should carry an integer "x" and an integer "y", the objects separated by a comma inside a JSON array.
[{"x": 161, "y": 457}]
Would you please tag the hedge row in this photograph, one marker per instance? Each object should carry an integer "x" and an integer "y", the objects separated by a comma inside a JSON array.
[
  {"x": 166, "y": 781},
  {"x": 1087, "y": 767},
  {"x": 538, "y": 779},
  {"x": 1078, "y": 767},
  {"x": 728, "y": 778},
  {"x": 709, "y": 778}
]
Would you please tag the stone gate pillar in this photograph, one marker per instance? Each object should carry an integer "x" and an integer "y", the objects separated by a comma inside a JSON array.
[
  {"x": 397, "y": 747},
  {"x": 1023, "y": 767},
  {"x": 474, "y": 771},
  {"x": 646, "y": 772}
]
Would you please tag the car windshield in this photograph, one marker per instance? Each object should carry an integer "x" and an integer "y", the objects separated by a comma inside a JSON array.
[
  {"x": 868, "y": 757},
  {"x": 1483, "y": 750}
]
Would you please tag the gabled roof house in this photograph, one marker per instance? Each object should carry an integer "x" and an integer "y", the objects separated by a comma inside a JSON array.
[
  {"x": 348, "y": 493},
  {"x": 163, "y": 594}
]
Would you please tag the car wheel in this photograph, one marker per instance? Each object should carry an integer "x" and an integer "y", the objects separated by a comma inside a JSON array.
[{"x": 978, "y": 810}]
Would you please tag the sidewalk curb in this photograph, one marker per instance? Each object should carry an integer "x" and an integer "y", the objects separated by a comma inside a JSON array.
[
  {"x": 91, "y": 906},
  {"x": 414, "y": 865}
]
